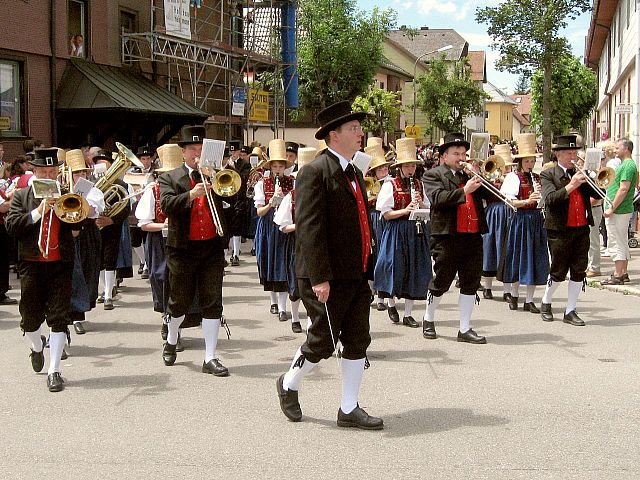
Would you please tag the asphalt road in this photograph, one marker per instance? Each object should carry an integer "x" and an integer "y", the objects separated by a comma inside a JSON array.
[{"x": 540, "y": 400}]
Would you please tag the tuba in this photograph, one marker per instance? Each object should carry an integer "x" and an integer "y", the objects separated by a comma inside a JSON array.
[
  {"x": 226, "y": 183},
  {"x": 70, "y": 207},
  {"x": 373, "y": 187}
]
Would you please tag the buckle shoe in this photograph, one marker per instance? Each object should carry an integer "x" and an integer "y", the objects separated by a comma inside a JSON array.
[
  {"x": 546, "y": 313},
  {"x": 296, "y": 327},
  {"x": 55, "y": 383},
  {"x": 274, "y": 309},
  {"x": 393, "y": 314},
  {"x": 37, "y": 358},
  {"x": 169, "y": 355},
  {"x": 288, "y": 401},
  {"x": 530, "y": 307},
  {"x": 429, "y": 330}
]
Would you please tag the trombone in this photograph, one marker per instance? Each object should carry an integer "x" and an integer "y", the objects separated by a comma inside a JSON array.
[
  {"x": 226, "y": 183},
  {"x": 488, "y": 185},
  {"x": 603, "y": 180}
]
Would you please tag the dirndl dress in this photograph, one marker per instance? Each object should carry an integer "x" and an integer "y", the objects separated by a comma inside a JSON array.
[{"x": 498, "y": 215}]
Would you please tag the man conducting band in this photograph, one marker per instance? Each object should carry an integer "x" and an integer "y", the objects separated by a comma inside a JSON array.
[{"x": 333, "y": 247}]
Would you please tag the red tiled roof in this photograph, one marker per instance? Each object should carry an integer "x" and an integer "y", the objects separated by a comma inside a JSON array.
[
  {"x": 478, "y": 62},
  {"x": 524, "y": 104}
]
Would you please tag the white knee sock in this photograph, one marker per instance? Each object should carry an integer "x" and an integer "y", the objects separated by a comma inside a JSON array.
[
  {"x": 56, "y": 344},
  {"x": 109, "y": 283},
  {"x": 515, "y": 289},
  {"x": 531, "y": 290},
  {"x": 236, "y": 245},
  {"x": 35, "y": 340},
  {"x": 487, "y": 282},
  {"x": 101, "y": 283},
  {"x": 282, "y": 301},
  {"x": 572, "y": 295},
  {"x": 140, "y": 253},
  {"x": 549, "y": 291},
  {"x": 295, "y": 311},
  {"x": 210, "y": 328},
  {"x": 432, "y": 305},
  {"x": 296, "y": 372},
  {"x": 174, "y": 329},
  {"x": 352, "y": 372},
  {"x": 507, "y": 287},
  {"x": 391, "y": 301},
  {"x": 408, "y": 310},
  {"x": 465, "y": 304},
  {"x": 226, "y": 252},
  {"x": 274, "y": 297}
]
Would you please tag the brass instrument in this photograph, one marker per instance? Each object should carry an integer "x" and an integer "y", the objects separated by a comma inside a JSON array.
[
  {"x": 491, "y": 166},
  {"x": 595, "y": 184},
  {"x": 373, "y": 187},
  {"x": 208, "y": 192},
  {"x": 605, "y": 177},
  {"x": 45, "y": 251},
  {"x": 489, "y": 186},
  {"x": 226, "y": 183},
  {"x": 114, "y": 193},
  {"x": 255, "y": 175},
  {"x": 71, "y": 207}
]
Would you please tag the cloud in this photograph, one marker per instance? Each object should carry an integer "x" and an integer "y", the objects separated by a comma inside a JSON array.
[
  {"x": 430, "y": 6},
  {"x": 476, "y": 40}
]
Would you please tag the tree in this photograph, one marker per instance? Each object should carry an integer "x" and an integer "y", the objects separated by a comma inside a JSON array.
[
  {"x": 339, "y": 50},
  {"x": 447, "y": 95},
  {"x": 384, "y": 109},
  {"x": 523, "y": 86},
  {"x": 526, "y": 34},
  {"x": 574, "y": 93}
]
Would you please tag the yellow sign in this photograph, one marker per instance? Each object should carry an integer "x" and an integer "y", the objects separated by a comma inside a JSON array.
[
  {"x": 258, "y": 105},
  {"x": 413, "y": 131},
  {"x": 5, "y": 123}
]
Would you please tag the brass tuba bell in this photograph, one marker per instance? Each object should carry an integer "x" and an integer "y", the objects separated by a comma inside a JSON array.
[{"x": 373, "y": 187}]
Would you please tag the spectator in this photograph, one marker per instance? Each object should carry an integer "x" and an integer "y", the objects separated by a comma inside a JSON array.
[{"x": 77, "y": 46}]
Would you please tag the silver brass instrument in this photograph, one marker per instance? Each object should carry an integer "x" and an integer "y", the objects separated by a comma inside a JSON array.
[
  {"x": 114, "y": 193},
  {"x": 373, "y": 187},
  {"x": 489, "y": 186},
  {"x": 414, "y": 193},
  {"x": 595, "y": 184}
]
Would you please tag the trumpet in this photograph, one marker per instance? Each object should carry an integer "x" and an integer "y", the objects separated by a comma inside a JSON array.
[
  {"x": 603, "y": 177},
  {"x": 489, "y": 186},
  {"x": 373, "y": 187}
]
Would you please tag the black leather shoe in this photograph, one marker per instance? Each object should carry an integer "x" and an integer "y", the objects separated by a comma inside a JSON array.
[
  {"x": 145, "y": 274},
  {"x": 79, "y": 328},
  {"x": 169, "y": 354},
  {"x": 546, "y": 313},
  {"x": 64, "y": 354},
  {"x": 572, "y": 318},
  {"x": 410, "y": 322},
  {"x": 282, "y": 316},
  {"x": 4, "y": 300},
  {"x": 108, "y": 304},
  {"x": 274, "y": 309},
  {"x": 513, "y": 303},
  {"x": 288, "y": 401},
  {"x": 381, "y": 306},
  {"x": 179, "y": 345},
  {"x": 296, "y": 327},
  {"x": 215, "y": 368},
  {"x": 253, "y": 252},
  {"x": 429, "y": 330},
  {"x": 359, "y": 419},
  {"x": 55, "y": 383},
  {"x": 393, "y": 314},
  {"x": 164, "y": 331},
  {"x": 506, "y": 297},
  {"x": 37, "y": 358},
  {"x": 487, "y": 294},
  {"x": 471, "y": 337},
  {"x": 100, "y": 298},
  {"x": 530, "y": 307},
  {"x": 235, "y": 261},
  {"x": 140, "y": 269}
]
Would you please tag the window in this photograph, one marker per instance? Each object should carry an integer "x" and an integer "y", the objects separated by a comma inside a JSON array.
[
  {"x": 486, "y": 114},
  {"x": 128, "y": 21},
  {"x": 10, "y": 99},
  {"x": 77, "y": 24}
]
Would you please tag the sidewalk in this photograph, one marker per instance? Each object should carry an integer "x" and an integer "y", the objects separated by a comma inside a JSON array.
[{"x": 607, "y": 267}]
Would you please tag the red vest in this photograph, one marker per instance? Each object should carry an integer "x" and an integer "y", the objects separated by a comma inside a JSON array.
[
  {"x": 577, "y": 216},
  {"x": 402, "y": 197},
  {"x": 526, "y": 190},
  {"x": 160, "y": 217},
  {"x": 54, "y": 250},
  {"x": 365, "y": 233},
  {"x": 269, "y": 185},
  {"x": 467, "y": 218},
  {"x": 202, "y": 227}
]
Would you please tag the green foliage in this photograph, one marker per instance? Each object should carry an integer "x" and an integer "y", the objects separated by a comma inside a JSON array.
[
  {"x": 339, "y": 51},
  {"x": 574, "y": 93},
  {"x": 523, "y": 86},
  {"x": 447, "y": 95},
  {"x": 384, "y": 109}
]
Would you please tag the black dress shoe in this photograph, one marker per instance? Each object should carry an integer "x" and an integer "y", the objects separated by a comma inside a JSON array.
[
  {"x": 410, "y": 322},
  {"x": 471, "y": 337},
  {"x": 179, "y": 344},
  {"x": 235, "y": 261},
  {"x": 226, "y": 264},
  {"x": 296, "y": 327},
  {"x": 164, "y": 331},
  {"x": 215, "y": 368},
  {"x": 513, "y": 303},
  {"x": 487, "y": 294},
  {"x": 4, "y": 300},
  {"x": 37, "y": 358},
  {"x": 79, "y": 328},
  {"x": 429, "y": 330},
  {"x": 381, "y": 306},
  {"x": 100, "y": 298},
  {"x": 572, "y": 318},
  {"x": 169, "y": 354},
  {"x": 145, "y": 274},
  {"x": 55, "y": 383},
  {"x": 288, "y": 401},
  {"x": 530, "y": 307},
  {"x": 274, "y": 308},
  {"x": 545, "y": 312},
  {"x": 108, "y": 304},
  {"x": 64, "y": 355},
  {"x": 282, "y": 316},
  {"x": 359, "y": 419},
  {"x": 506, "y": 297},
  {"x": 393, "y": 314},
  {"x": 140, "y": 269},
  {"x": 253, "y": 252}
]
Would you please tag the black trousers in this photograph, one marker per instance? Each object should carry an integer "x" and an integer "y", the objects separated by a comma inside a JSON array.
[
  {"x": 45, "y": 294},
  {"x": 138, "y": 236},
  {"x": 461, "y": 254},
  {"x": 110, "y": 242},
  {"x": 5, "y": 248},
  {"x": 348, "y": 307},
  {"x": 199, "y": 268},
  {"x": 569, "y": 253}
]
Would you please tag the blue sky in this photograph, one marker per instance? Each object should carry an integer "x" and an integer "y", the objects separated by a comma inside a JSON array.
[{"x": 460, "y": 15}]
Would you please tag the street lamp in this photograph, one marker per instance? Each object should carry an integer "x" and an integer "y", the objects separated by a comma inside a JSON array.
[{"x": 415, "y": 65}]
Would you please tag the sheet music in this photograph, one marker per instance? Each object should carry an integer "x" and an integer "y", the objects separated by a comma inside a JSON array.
[
  {"x": 479, "y": 149},
  {"x": 82, "y": 187},
  {"x": 421, "y": 214},
  {"x": 592, "y": 159},
  {"x": 212, "y": 153},
  {"x": 362, "y": 160}
]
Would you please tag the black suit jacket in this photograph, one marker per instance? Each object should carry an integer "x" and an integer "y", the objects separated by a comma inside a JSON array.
[
  {"x": 175, "y": 203},
  {"x": 556, "y": 198},
  {"x": 328, "y": 239},
  {"x": 20, "y": 225},
  {"x": 445, "y": 196}
]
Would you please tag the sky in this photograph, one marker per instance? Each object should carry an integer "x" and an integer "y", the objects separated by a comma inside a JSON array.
[{"x": 460, "y": 16}]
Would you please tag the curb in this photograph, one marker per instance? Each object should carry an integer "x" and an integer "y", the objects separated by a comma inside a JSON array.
[{"x": 625, "y": 290}]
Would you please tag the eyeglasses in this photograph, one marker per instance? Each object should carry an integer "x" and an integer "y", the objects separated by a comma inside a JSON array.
[{"x": 355, "y": 128}]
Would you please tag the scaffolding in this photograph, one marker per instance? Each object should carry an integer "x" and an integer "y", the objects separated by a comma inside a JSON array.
[{"x": 229, "y": 45}]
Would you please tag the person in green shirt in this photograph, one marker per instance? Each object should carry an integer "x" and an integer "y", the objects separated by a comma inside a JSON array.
[{"x": 620, "y": 193}]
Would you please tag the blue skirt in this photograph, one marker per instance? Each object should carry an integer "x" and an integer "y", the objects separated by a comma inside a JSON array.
[
  {"x": 80, "y": 301},
  {"x": 125, "y": 258},
  {"x": 403, "y": 267},
  {"x": 498, "y": 215},
  {"x": 290, "y": 258},
  {"x": 270, "y": 254},
  {"x": 377, "y": 225},
  {"x": 526, "y": 255},
  {"x": 157, "y": 264}
]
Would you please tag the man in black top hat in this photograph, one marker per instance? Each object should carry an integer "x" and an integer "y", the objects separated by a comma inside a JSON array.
[
  {"x": 457, "y": 224},
  {"x": 333, "y": 254},
  {"x": 292, "y": 154},
  {"x": 45, "y": 253},
  {"x": 194, "y": 250},
  {"x": 567, "y": 206},
  {"x": 237, "y": 213}
]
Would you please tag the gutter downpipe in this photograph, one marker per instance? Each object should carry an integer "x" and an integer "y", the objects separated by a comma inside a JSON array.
[{"x": 52, "y": 73}]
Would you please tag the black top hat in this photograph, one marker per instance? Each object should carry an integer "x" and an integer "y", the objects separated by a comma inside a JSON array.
[
  {"x": 453, "y": 140},
  {"x": 145, "y": 151},
  {"x": 337, "y": 114},
  {"x": 103, "y": 155},
  {"x": 246, "y": 149},
  {"x": 566, "y": 142},
  {"x": 46, "y": 157},
  {"x": 292, "y": 147},
  {"x": 191, "y": 134},
  {"x": 234, "y": 145}
]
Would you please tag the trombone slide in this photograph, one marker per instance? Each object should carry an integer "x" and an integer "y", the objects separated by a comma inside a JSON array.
[{"x": 489, "y": 186}]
